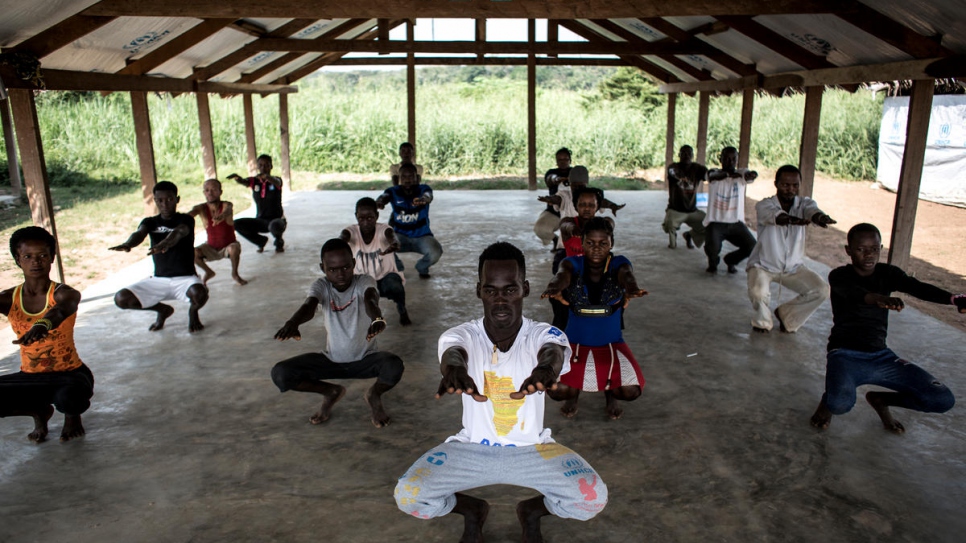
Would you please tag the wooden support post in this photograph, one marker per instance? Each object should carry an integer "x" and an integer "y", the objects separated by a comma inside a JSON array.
[
  {"x": 9, "y": 141},
  {"x": 910, "y": 176},
  {"x": 34, "y": 167},
  {"x": 480, "y": 34},
  {"x": 532, "y": 108},
  {"x": 283, "y": 140},
  {"x": 207, "y": 139},
  {"x": 250, "y": 134},
  {"x": 145, "y": 147},
  {"x": 704, "y": 104},
  {"x": 411, "y": 85},
  {"x": 744, "y": 139},
  {"x": 672, "y": 100},
  {"x": 553, "y": 34},
  {"x": 809, "y": 149}
]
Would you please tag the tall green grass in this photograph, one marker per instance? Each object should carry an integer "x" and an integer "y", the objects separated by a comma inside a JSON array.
[{"x": 463, "y": 129}]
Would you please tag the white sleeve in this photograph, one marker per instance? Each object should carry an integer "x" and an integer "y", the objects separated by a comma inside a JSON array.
[
  {"x": 547, "y": 334},
  {"x": 317, "y": 291},
  {"x": 454, "y": 337}
]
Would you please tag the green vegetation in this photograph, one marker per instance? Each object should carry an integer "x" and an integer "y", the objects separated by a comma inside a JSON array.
[{"x": 471, "y": 121}]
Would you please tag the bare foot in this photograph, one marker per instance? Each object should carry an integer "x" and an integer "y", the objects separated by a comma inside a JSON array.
[
  {"x": 325, "y": 410},
  {"x": 208, "y": 275},
  {"x": 760, "y": 330},
  {"x": 878, "y": 403},
  {"x": 474, "y": 511},
  {"x": 72, "y": 428},
  {"x": 404, "y": 319},
  {"x": 379, "y": 417},
  {"x": 39, "y": 435},
  {"x": 261, "y": 248},
  {"x": 822, "y": 417},
  {"x": 614, "y": 410},
  {"x": 529, "y": 513},
  {"x": 238, "y": 279},
  {"x": 164, "y": 311},
  {"x": 194, "y": 323},
  {"x": 569, "y": 408}
]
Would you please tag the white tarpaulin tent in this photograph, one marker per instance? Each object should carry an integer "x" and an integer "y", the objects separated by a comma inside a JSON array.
[{"x": 944, "y": 171}]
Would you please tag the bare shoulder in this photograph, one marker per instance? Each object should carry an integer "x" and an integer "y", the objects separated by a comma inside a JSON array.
[{"x": 66, "y": 293}]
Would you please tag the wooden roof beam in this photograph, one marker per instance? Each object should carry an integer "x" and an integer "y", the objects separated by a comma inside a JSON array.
[
  {"x": 893, "y": 32},
  {"x": 477, "y": 61},
  {"x": 175, "y": 46},
  {"x": 623, "y": 33},
  {"x": 776, "y": 42},
  {"x": 648, "y": 67},
  {"x": 679, "y": 34},
  {"x": 60, "y": 35},
  {"x": 239, "y": 55},
  {"x": 324, "y": 60},
  {"x": 288, "y": 58},
  {"x": 472, "y": 9}
]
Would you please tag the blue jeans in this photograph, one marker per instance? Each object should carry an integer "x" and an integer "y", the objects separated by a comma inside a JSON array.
[
  {"x": 424, "y": 245},
  {"x": 916, "y": 388}
]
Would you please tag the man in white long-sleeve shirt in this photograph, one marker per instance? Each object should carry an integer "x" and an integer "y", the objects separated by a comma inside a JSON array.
[{"x": 780, "y": 254}]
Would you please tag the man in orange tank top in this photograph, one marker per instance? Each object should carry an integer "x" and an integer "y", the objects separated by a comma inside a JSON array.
[
  {"x": 42, "y": 315},
  {"x": 216, "y": 217}
]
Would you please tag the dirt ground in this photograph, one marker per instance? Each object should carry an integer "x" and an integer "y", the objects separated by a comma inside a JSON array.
[{"x": 937, "y": 253}]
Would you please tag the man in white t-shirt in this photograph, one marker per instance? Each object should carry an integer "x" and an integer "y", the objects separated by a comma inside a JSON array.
[
  {"x": 725, "y": 219},
  {"x": 350, "y": 312},
  {"x": 503, "y": 440},
  {"x": 373, "y": 245}
]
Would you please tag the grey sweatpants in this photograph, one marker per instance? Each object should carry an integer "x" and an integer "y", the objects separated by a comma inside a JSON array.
[{"x": 570, "y": 486}]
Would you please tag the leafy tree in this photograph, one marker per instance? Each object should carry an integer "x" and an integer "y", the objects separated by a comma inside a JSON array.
[{"x": 630, "y": 85}]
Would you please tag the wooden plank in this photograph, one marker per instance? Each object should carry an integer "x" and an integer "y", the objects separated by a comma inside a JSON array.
[
  {"x": 246, "y": 27},
  {"x": 809, "y": 147},
  {"x": 383, "y": 34},
  {"x": 411, "y": 86},
  {"x": 893, "y": 32},
  {"x": 243, "y": 53},
  {"x": 602, "y": 46},
  {"x": 679, "y": 34},
  {"x": 630, "y": 37},
  {"x": 531, "y": 108},
  {"x": 91, "y": 81},
  {"x": 10, "y": 144},
  {"x": 476, "y": 61},
  {"x": 910, "y": 176},
  {"x": 473, "y": 9},
  {"x": 61, "y": 35},
  {"x": 553, "y": 34},
  {"x": 481, "y": 33},
  {"x": 672, "y": 100},
  {"x": 720, "y": 85},
  {"x": 701, "y": 142},
  {"x": 284, "y": 148},
  {"x": 145, "y": 147},
  {"x": 34, "y": 167},
  {"x": 776, "y": 42},
  {"x": 648, "y": 67},
  {"x": 175, "y": 46},
  {"x": 207, "y": 139},
  {"x": 250, "y": 149},
  {"x": 744, "y": 138}
]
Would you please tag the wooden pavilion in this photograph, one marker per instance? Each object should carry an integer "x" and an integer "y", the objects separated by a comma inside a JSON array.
[{"x": 246, "y": 47}]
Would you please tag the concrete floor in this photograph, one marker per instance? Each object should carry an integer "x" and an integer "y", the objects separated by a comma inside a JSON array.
[{"x": 188, "y": 440}]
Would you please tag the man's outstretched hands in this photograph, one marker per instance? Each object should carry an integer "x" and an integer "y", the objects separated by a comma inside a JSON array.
[
  {"x": 458, "y": 381},
  {"x": 542, "y": 378},
  {"x": 289, "y": 331},
  {"x": 376, "y": 327}
]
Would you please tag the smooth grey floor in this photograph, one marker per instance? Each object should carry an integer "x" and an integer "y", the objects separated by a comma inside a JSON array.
[{"x": 189, "y": 441}]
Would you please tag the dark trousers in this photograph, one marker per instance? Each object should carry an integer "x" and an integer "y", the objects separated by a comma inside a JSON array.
[
  {"x": 69, "y": 391},
  {"x": 386, "y": 367},
  {"x": 391, "y": 287},
  {"x": 251, "y": 230},
  {"x": 735, "y": 233}
]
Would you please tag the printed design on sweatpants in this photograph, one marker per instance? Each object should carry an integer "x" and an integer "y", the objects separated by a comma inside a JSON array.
[
  {"x": 412, "y": 490},
  {"x": 505, "y": 408}
]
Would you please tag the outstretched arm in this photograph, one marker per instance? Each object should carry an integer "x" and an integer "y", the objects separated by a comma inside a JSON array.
[
  {"x": 614, "y": 208},
  {"x": 392, "y": 241},
  {"x": 543, "y": 377},
  {"x": 67, "y": 300},
  {"x": 627, "y": 281},
  {"x": 378, "y": 324},
  {"x": 559, "y": 282},
  {"x": 301, "y": 316},
  {"x": 171, "y": 239},
  {"x": 382, "y": 200},
  {"x": 133, "y": 241},
  {"x": 554, "y": 200},
  {"x": 456, "y": 379},
  {"x": 238, "y": 179}
]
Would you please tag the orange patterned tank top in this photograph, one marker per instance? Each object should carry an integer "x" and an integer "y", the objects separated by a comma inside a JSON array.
[{"x": 55, "y": 352}]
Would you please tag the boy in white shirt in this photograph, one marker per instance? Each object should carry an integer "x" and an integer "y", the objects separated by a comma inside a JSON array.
[
  {"x": 503, "y": 440},
  {"x": 725, "y": 219}
]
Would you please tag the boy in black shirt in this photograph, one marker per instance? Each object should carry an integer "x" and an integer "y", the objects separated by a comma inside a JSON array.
[
  {"x": 857, "y": 353},
  {"x": 173, "y": 249},
  {"x": 269, "y": 217}
]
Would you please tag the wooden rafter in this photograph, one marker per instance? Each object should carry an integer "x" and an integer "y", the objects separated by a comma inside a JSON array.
[
  {"x": 776, "y": 42},
  {"x": 288, "y": 58},
  {"x": 61, "y": 34},
  {"x": 679, "y": 34},
  {"x": 627, "y": 35},
  {"x": 175, "y": 46},
  {"x": 233, "y": 58},
  {"x": 647, "y": 66},
  {"x": 892, "y": 32},
  {"x": 247, "y": 27},
  {"x": 475, "y": 61},
  {"x": 401, "y": 9}
]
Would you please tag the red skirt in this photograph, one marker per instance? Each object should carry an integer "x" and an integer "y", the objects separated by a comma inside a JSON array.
[{"x": 602, "y": 368}]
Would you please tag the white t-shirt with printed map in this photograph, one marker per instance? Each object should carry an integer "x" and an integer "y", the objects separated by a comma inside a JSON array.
[{"x": 501, "y": 420}]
